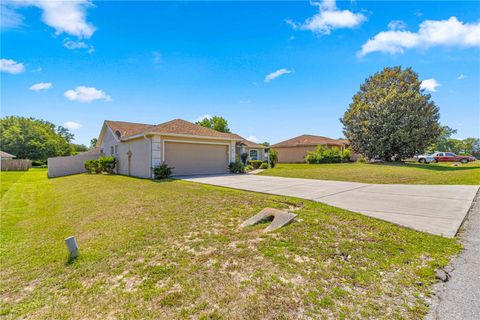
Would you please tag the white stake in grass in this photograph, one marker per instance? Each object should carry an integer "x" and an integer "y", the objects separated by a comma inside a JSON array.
[{"x": 72, "y": 247}]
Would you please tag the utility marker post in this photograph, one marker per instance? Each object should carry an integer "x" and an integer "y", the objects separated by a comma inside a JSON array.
[{"x": 72, "y": 247}]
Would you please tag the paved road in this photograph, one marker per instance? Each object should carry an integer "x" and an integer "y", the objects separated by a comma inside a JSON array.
[
  {"x": 459, "y": 298},
  {"x": 435, "y": 209}
]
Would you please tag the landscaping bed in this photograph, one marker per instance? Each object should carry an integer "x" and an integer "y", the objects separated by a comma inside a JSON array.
[{"x": 174, "y": 249}]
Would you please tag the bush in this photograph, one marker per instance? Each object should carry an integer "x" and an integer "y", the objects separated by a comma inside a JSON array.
[
  {"x": 264, "y": 165},
  {"x": 236, "y": 167},
  {"x": 102, "y": 164},
  {"x": 255, "y": 163},
  {"x": 244, "y": 157},
  {"x": 162, "y": 171},
  {"x": 362, "y": 160},
  {"x": 39, "y": 163},
  {"x": 248, "y": 168},
  {"x": 107, "y": 164},
  {"x": 327, "y": 155},
  {"x": 92, "y": 166},
  {"x": 273, "y": 157}
]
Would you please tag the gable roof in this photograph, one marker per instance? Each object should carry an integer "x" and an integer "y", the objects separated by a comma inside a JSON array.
[
  {"x": 4, "y": 154},
  {"x": 250, "y": 144},
  {"x": 174, "y": 127},
  {"x": 307, "y": 140}
]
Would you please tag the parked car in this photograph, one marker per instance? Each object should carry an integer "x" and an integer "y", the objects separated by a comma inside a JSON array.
[
  {"x": 450, "y": 157},
  {"x": 424, "y": 158}
]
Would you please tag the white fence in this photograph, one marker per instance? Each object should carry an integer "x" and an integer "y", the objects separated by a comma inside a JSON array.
[{"x": 64, "y": 166}]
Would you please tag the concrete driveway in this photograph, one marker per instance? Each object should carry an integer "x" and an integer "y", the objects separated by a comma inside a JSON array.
[{"x": 431, "y": 208}]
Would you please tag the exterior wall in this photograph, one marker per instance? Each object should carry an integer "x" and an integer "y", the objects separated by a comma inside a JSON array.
[
  {"x": 108, "y": 141},
  {"x": 63, "y": 166},
  {"x": 261, "y": 152},
  {"x": 293, "y": 154},
  {"x": 140, "y": 161}
]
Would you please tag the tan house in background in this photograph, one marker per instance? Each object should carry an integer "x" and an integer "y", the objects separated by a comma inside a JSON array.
[
  {"x": 187, "y": 147},
  {"x": 294, "y": 150}
]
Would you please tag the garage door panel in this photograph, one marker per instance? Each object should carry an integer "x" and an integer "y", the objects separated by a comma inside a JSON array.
[{"x": 196, "y": 158}]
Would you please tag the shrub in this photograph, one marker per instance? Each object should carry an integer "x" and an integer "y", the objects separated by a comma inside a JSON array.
[
  {"x": 248, "y": 168},
  {"x": 264, "y": 165},
  {"x": 102, "y": 164},
  {"x": 327, "y": 155},
  {"x": 346, "y": 155},
  {"x": 236, "y": 167},
  {"x": 244, "y": 157},
  {"x": 255, "y": 163},
  {"x": 107, "y": 164},
  {"x": 273, "y": 155},
  {"x": 362, "y": 160},
  {"x": 39, "y": 163},
  {"x": 162, "y": 171},
  {"x": 92, "y": 166}
]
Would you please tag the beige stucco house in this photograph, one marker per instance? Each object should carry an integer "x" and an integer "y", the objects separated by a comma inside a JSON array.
[
  {"x": 294, "y": 150},
  {"x": 185, "y": 146}
]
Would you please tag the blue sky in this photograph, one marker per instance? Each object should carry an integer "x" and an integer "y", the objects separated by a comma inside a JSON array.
[{"x": 272, "y": 69}]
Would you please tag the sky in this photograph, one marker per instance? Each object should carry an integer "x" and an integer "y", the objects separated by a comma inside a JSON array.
[{"x": 274, "y": 70}]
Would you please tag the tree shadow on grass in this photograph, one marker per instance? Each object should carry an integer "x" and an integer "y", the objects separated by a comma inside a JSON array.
[{"x": 431, "y": 167}]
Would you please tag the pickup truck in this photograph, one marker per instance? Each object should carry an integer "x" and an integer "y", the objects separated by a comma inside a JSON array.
[{"x": 446, "y": 157}]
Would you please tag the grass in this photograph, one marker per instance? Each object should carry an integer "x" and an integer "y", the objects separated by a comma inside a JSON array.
[
  {"x": 173, "y": 250},
  {"x": 402, "y": 173}
]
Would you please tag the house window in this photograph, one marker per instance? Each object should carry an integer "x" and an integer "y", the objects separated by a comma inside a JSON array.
[
  {"x": 254, "y": 154},
  {"x": 111, "y": 150}
]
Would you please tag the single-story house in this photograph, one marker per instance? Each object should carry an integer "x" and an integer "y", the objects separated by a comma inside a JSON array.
[
  {"x": 5, "y": 155},
  {"x": 294, "y": 150},
  {"x": 187, "y": 147}
]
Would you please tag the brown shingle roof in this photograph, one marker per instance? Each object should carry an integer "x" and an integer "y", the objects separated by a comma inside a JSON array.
[
  {"x": 308, "y": 140},
  {"x": 250, "y": 144},
  {"x": 177, "y": 127},
  {"x": 127, "y": 128}
]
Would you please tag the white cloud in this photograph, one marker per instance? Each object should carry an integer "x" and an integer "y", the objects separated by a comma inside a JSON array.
[
  {"x": 11, "y": 66},
  {"x": 271, "y": 76},
  {"x": 252, "y": 138},
  {"x": 41, "y": 86},
  {"x": 329, "y": 18},
  {"x": 397, "y": 25},
  {"x": 72, "y": 125},
  {"x": 205, "y": 116},
  {"x": 65, "y": 16},
  {"x": 431, "y": 33},
  {"x": 461, "y": 77},
  {"x": 9, "y": 19},
  {"x": 74, "y": 45},
  {"x": 86, "y": 94},
  {"x": 430, "y": 85}
]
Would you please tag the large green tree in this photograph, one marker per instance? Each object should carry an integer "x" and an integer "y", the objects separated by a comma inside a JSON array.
[
  {"x": 34, "y": 139},
  {"x": 215, "y": 123},
  {"x": 391, "y": 117}
]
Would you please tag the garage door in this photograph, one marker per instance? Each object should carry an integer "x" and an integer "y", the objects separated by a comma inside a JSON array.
[{"x": 195, "y": 158}]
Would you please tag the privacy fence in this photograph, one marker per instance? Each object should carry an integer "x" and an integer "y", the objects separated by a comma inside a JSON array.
[
  {"x": 15, "y": 164},
  {"x": 64, "y": 166}
]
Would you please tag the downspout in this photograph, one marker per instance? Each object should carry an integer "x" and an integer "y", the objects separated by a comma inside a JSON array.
[{"x": 149, "y": 154}]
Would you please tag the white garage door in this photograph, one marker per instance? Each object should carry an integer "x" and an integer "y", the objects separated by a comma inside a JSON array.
[{"x": 195, "y": 158}]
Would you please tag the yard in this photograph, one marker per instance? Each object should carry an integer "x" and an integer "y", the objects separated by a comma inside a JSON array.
[
  {"x": 402, "y": 173},
  {"x": 173, "y": 249}
]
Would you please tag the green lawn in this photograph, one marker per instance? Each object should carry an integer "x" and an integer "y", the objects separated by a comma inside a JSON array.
[
  {"x": 173, "y": 250},
  {"x": 403, "y": 173}
]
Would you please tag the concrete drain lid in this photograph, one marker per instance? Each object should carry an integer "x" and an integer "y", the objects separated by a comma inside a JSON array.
[{"x": 280, "y": 218}]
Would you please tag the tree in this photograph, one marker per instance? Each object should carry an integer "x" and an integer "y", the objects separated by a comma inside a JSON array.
[
  {"x": 472, "y": 146},
  {"x": 77, "y": 148},
  {"x": 391, "y": 117},
  {"x": 93, "y": 143},
  {"x": 216, "y": 123},
  {"x": 33, "y": 139},
  {"x": 442, "y": 143},
  {"x": 266, "y": 144}
]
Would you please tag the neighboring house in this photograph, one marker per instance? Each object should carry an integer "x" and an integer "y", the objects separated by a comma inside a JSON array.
[
  {"x": 185, "y": 146},
  {"x": 254, "y": 150},
  {"x": 294, "y": 150},
  {"x": 5, "y": 155}
]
